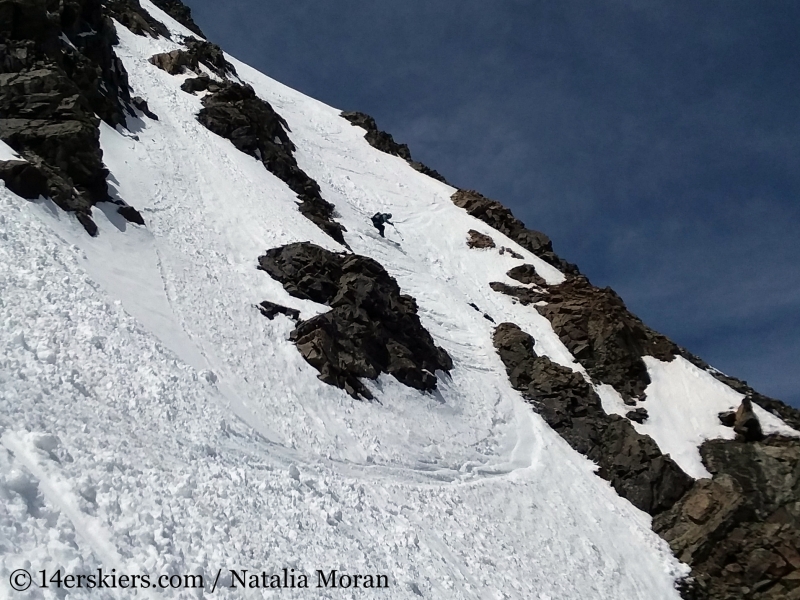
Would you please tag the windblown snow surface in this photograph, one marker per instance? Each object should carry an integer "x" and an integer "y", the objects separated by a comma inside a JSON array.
[{"x": 152, "y": 421}]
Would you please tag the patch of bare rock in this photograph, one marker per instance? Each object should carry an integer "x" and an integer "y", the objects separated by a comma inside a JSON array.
[
  {"x": 372, "y": 327},
  {"x": 630, "y": 461}
]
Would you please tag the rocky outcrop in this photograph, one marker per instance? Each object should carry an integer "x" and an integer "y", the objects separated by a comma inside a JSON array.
[
  {"x": 524, "y": 295},
  {"x": 498, "y": 216},
  {"x": 23, "y": 179},
  {"x": 527, "y": 274},
  {"x": 235, "y": 112},
  {"x": 197, "y": 52},
  {"x": 740, "y": 532},
  {"x": 131, "y": 14},
  {"x": 746, "y": 423},
  {"x": 181, "y": 13},
  {"x": 479, "y": 240},
  {"x": 372, "y": 328},
  {"x": 385, "y": 143},
  {"x": 600, "y": 332},
  {"x": 630, "y": 461},
  {"x": 59, "y": 77}
]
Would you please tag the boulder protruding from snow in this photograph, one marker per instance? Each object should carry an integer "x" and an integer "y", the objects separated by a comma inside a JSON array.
[
  {"x": 527, "y": 274},
  {"x": 477, "y": 239},
  {"x": 746, "y": 424},
  {"x": 385, "y": 143},
  {"x": 197, "y": 52},
  {"x": 181, "y": 13},
  {"x": 372, "y": 327},
  {"x": 630, "y": 461}
]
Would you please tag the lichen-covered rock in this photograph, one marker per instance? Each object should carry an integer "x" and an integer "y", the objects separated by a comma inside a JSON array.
[
  {"x": 235, "y": 112},
  {"x": 501, "y": 218},
  {"x": 740, "y": 532},
  {"x": 477, "y": 239},
  {"x": 630, "y": 461},
  {"x": 181, "y": 13},
  {"x": 385, "y": 143},
  {"x": 372, "y": 327}
]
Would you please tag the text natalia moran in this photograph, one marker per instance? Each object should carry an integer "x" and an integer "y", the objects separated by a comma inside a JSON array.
[{"x": 289, "y": 578}]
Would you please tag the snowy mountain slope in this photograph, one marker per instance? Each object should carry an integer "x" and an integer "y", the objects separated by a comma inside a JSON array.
[{"x": 154, "y": 421}]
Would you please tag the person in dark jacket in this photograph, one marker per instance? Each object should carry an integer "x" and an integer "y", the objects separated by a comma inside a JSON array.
[{"x": 380, "y": 220}]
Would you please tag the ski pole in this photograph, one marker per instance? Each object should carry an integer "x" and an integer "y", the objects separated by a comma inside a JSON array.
[{"x": 398, "y": 231}]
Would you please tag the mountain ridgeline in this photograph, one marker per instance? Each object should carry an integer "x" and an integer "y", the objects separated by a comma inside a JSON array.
[{"x": 61, "y": 80}]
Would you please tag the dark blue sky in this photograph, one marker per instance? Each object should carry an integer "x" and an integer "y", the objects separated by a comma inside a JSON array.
[{"x": 657, "y": 143}]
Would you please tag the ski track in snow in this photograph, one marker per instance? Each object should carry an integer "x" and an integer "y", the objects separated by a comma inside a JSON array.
[{"x": 152, "y": 420}]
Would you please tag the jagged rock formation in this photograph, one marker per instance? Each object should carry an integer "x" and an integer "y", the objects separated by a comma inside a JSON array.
[
  {"x": 235, "y": 112},
  {"x": 372, "y": 328},
  {"x": 498, "y": 216},
  {"x": 197, "y": 52},
  {"x": 630, "y": 461},
  {"x": 58, "y": 71},
  {"x": 181, "y": 13},
  {"x": 385, "y": 143},
  {"x": 746, "y": 423},
  {"x": 740, "y": 532},
  {"x": 131, "y": 14},
  {"x": 477, "y": 239},
  {"x": 600, "y": 332}
]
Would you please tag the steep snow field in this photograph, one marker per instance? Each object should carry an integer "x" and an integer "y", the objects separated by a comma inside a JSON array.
[{"x": 152, "y": 421}]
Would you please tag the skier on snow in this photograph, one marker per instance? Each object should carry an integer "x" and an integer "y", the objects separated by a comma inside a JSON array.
[{"x": 380, "y": 219}]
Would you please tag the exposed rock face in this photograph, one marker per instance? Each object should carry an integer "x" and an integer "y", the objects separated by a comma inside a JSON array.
[
  {"x": 631, "y": 462},
  {"x": 131, "y": 14},
  {"x": 23, "y": 179},
  {"x": 479, "y": 240},
  {"x": 746, "y": 424},
  {"x": 527, "y": 274},
  {"x": 197, "y": 52},
  {"x": 235, "y": 112},
  {"x": 498, "y": 216},
  {"x": 372, "y": 327},
  {"x": 51, "y": 90},
  {"x": 597, "y": 328},
  {"x": 385, "y": 143},
  {"x": 740, "y": 532},
  {"x": 181, "y": 13}
]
